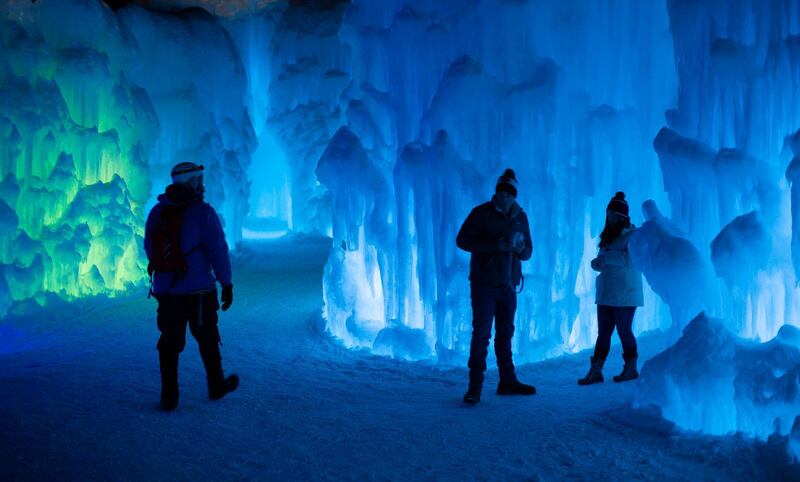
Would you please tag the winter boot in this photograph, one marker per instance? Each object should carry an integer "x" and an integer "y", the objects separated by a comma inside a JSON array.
[
  {"x": 169, "y": 380},
  {"x": 473, "y": 395},
  {"x": 218, "y": 384},
  {"x": 515, "y": 387},
  {"x": 219, "y": 390},
  {"x": 629, "y": 371},
  {"x": 595, "y": 374}
]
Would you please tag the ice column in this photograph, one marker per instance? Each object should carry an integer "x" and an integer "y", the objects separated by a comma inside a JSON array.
[{"x": 355, "y": 276}]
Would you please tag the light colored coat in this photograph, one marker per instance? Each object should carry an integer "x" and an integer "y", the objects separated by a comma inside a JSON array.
[{"x": 619, "y": 282}]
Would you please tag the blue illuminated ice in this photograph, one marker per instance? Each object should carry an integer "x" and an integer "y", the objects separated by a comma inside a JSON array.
[
  {"x": 673, "y": 267},
  {"x": 192, "y": 71},
  {"x": 441, "y": 107},
  {"x": 381, "y": 124},
  {"x": 355, "y": 276},
  {"x": 715, "y": 382}
]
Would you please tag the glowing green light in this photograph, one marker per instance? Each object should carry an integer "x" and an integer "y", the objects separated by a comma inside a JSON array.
[{"x": 74, "y": 139}]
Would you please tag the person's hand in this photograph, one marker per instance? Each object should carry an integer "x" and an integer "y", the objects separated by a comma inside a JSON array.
[
  {"x": 597, "y": 264},
  {"x": 505, "y": 246},
  {"x": 519, "y": 242},
  {"x": 227, "y": 297}
]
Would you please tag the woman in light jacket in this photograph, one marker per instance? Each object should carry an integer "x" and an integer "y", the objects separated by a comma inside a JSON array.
[{"x": 619, "y": 292}]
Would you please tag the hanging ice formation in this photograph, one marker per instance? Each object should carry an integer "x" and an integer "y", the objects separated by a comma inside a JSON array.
[
  {"x": 93, "y": 112},
  {"x": 441, "y": 98}
]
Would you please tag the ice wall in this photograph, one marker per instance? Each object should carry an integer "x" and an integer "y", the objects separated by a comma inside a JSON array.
[
  {"x": 443, "y": 96},
  {"x": 727, "y": 147},
  {"x": 269, "y": 173},
  {"x": 728, "y": 155},
  {"x": 429, "y": 101},
  {"x": 191, "y": 68},
  {"x": 357, "y": 268},
  {"x": 674, "y": 268},
  {"x": 308, "y": 73},
  {"x": 574, "y": 96},
  {"x": 93, "y": 113},
  {"x": 75, "y": 136}
]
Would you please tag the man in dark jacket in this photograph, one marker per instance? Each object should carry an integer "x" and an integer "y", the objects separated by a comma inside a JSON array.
[
  {"x": 184, "y": 242},
  {"x": 497, "y": 235}
]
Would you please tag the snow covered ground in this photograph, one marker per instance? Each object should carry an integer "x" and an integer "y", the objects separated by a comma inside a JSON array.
[{"x": 79, "y": 388}]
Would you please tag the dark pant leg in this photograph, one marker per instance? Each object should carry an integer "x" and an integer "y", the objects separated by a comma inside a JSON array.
[
  {"x": 623, "y": 315},
  {"x": 203, "y": 325},
  {"x": 171, "y": 320},
  {"x": 483, "y": 308},
  {"x": 506, "y": 307},
  {"x": 605, "y": 328}
]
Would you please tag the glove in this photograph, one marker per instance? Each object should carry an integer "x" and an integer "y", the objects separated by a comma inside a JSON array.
[
  {"x": 227, "y": 297},
  {"x": 597, "y": 264},
  {"x": 518, "y": 242},
  {"x": 504, "y": 246}
]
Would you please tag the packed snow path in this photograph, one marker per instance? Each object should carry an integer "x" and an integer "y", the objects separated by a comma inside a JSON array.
[{"x": 79, "y": 389}]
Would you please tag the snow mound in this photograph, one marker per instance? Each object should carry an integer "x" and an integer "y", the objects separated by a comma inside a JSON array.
[
  {"x": 402, "y": 342},
  {"x": 717, "y": 383}
]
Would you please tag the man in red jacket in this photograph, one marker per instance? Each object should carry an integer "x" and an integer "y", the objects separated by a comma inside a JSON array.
[{"x": 497, "y": 235}]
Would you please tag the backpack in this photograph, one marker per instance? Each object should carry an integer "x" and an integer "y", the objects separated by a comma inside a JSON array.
[{"x": 165, "y": 246}]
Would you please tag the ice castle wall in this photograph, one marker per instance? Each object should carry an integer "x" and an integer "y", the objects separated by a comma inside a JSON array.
[
  {"x": 94, "y": 112},
  {"x": 192, "y": 71},
  {"x": 686, "y": 104},
  {"x": 683, "y": 104},
  {"x": 308, "y": 73},
  {"x": 728, "y": 155},
  {"x": 269, "y": 173},
  {"x": 442, "y": 96},
  {"x": 75, "y": 137},
  {"x": 726, "y": 151}
]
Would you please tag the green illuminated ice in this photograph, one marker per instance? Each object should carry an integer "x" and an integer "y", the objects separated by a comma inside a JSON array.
[{"x": 74, "y": 177}]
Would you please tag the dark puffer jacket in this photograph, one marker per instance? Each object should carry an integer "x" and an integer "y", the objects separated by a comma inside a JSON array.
[{"x": 481, "y": 234}]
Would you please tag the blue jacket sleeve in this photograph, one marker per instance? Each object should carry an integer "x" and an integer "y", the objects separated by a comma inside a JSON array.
[
  {"x": 216, "y": 248},
  {"x": 471, "y": 239}
]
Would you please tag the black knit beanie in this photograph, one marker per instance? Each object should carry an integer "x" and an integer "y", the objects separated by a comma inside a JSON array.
[
  {"x": 618, "y": 204},
  {"x": 507, "y": 182}
]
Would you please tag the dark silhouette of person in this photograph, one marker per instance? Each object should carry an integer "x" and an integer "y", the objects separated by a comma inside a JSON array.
[
  {"x": 187, "y": 254},
  {"x": 618, "y": 293},
  {"x": 497, "y": 235}
]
